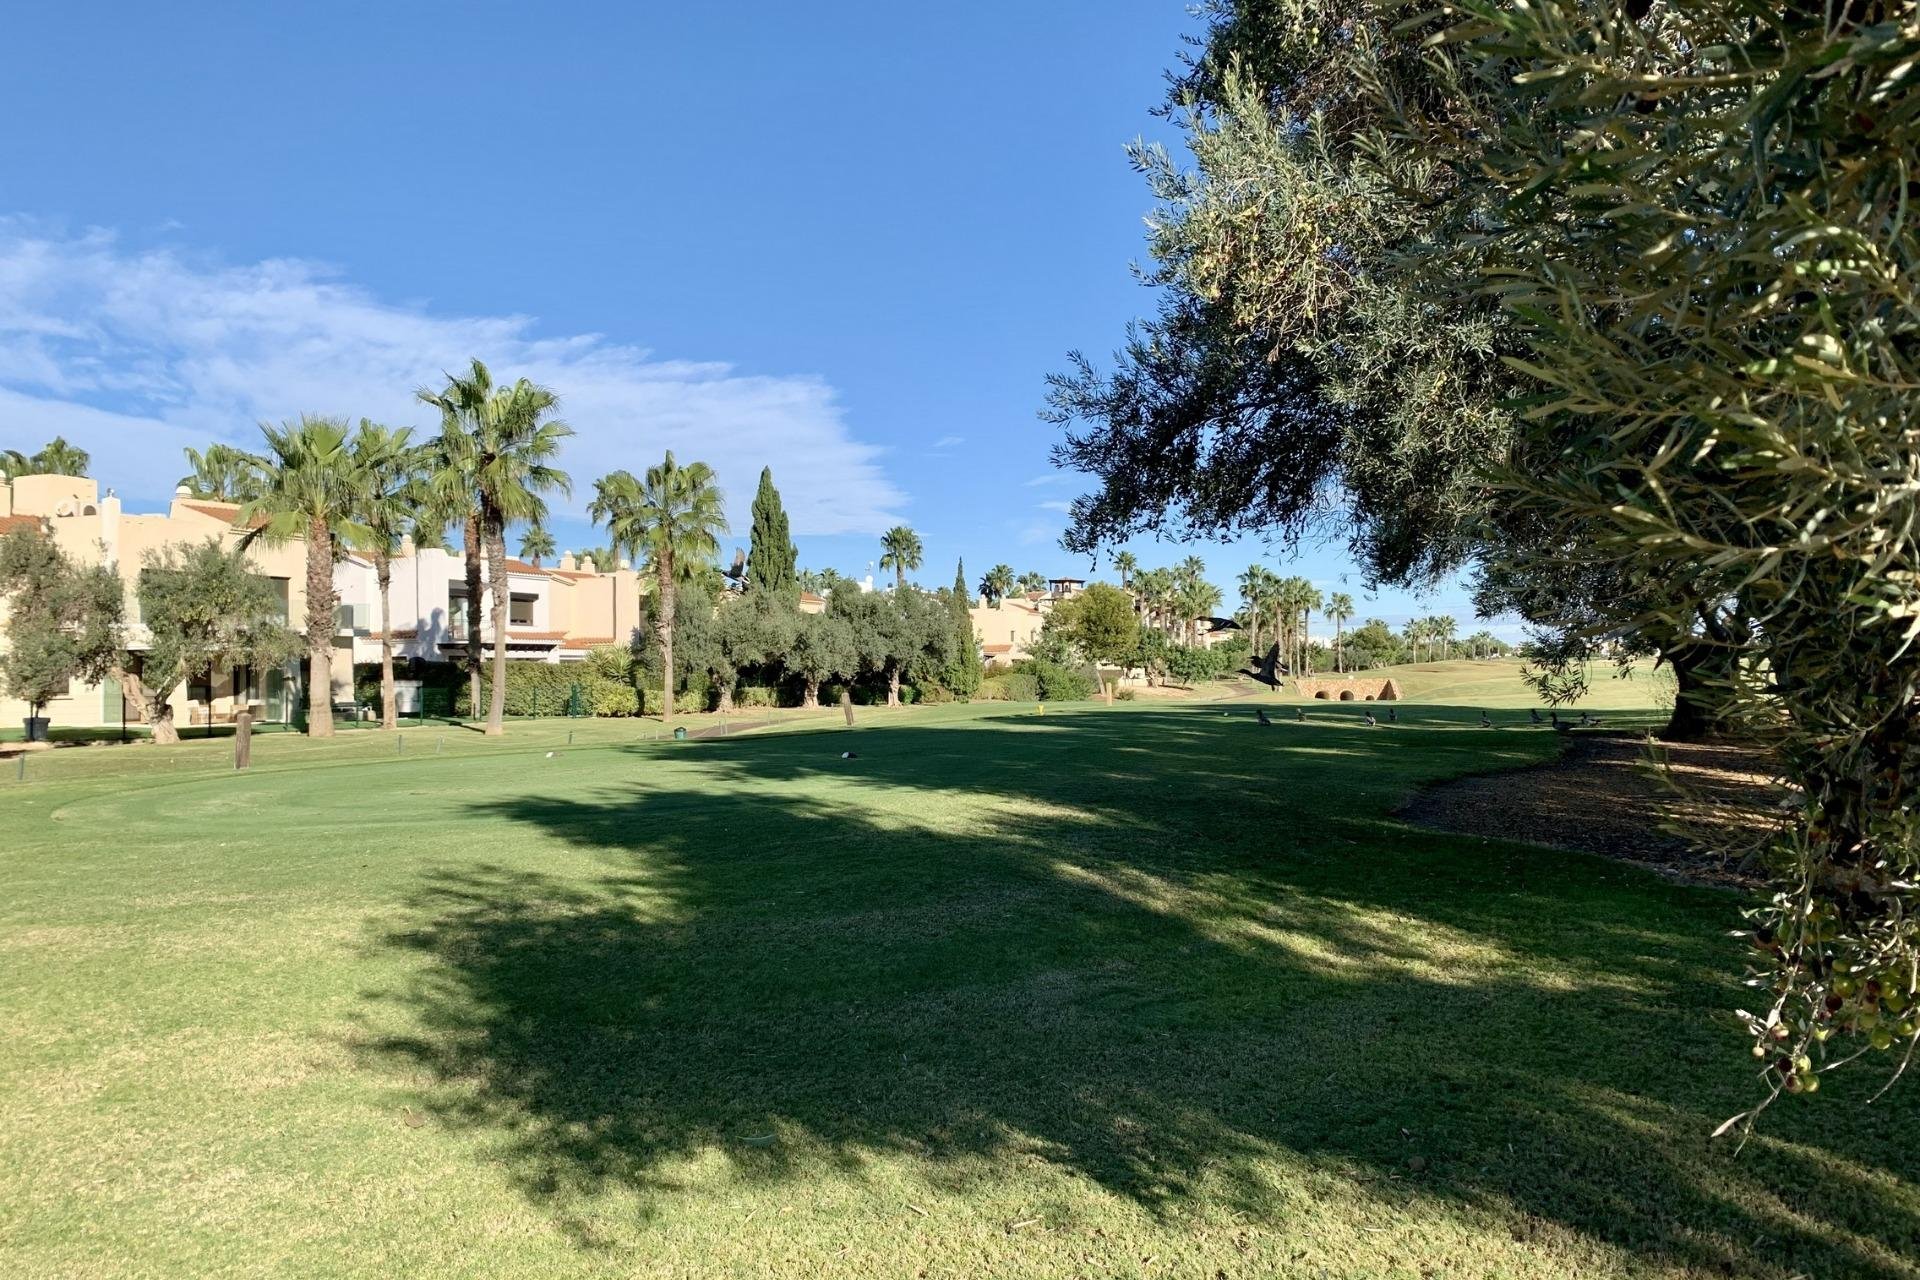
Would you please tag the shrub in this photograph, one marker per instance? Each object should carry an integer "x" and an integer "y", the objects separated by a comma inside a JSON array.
[
  {"x": 1124, "y": 695},
  {"x": 757, "y": 695}
]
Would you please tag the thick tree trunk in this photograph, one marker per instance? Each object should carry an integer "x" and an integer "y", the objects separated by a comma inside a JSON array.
[
  {"x": 664, "y": 622},
  {"x": 1691, "y": 721},
  {"x": 473, "y": 553},
  {"x": 893, "y": 684},
  {"x": 320, "y": 627},
  {"x": 810, "y": 699},
  {"x": 496, "y": 536},
  {"x": 383, "y": 566},
  {"x": 725, "y": 698}
]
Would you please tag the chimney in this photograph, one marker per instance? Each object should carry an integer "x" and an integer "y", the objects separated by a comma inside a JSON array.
[
  {"x": 181, "y": 491},
  {"x": 586, "y": 564},
  {"x": 566, "y": 564}
]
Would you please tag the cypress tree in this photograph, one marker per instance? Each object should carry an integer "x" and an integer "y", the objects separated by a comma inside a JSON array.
[
  {"x": 770, "y": 554},
  {"x": 963, "y": 676}
]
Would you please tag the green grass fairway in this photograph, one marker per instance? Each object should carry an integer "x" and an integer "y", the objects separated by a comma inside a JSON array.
[{"x": 1141, "y": 990}]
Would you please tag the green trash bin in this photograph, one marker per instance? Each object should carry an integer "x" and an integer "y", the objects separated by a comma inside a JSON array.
[{"x": 680, "y": 733}]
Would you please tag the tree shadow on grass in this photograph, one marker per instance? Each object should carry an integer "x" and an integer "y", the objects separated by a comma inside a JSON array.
[{"x": 1004, "y": 940}]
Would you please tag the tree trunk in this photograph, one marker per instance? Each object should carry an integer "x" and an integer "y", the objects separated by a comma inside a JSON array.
[
  {"x": 724, "y": 699},
  {"x": 663, "y": 622},
  {"x": 1691, "y": 720},
  {"x": 383, "y": 567},
  {"x": 320, "y": 629},
  {"x": 893, "y": 684},
  {"x": 157, "y": 712},
  {"x": 496, "y": 535},
  {"x": 810, "y": 699},
  {"x": 1339, "y": 647},
  {"x": 473, "y": 614}
]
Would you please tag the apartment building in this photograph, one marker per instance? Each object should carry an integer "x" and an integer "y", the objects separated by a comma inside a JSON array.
[{"x": 555, "y": 614}]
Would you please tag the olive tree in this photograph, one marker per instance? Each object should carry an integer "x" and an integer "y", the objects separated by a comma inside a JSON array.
[
  {"x": 63, "y": 618},
  {"x": 202, "y": 607}
]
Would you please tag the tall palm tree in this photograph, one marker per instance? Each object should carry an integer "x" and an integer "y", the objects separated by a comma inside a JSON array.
[
  {"x": 900, "y": 552},
  {"x": 1309, "y": 602},
  {"x": 1256, "y": 586},
  {"x": 1444, "y": 628},
  {"x": 1032, "y": 580},
  {"x": 15, "y": 463},
  {"x": 310, "y": 490},
  {"x": 536, "y": 544},
  {"x": 674, "y": 517},
  {"x": 59, "y": 458},
  {"x": 504, "y": 450},
  {"x": 387, "y": 466},
  {"x": 1339, "y": 609},
  {"x": 1126, "y": 566},
  {"x": 997, "y": 583},
  {"x": 455, "y": 497}
]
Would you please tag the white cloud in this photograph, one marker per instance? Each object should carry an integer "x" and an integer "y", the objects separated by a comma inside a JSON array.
[
  {"x": 1052, "y": 477},
  {"x": 948, "y": 442},
  {"x": 1056, "y": 506},
  {"x": 134, "y": 355}
]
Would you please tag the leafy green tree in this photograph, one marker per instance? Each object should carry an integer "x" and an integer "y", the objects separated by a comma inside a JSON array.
[
  {"x": 900, "y": 552},
  {"x": 536, "y": 545},
  {"x": 1700, "y": 237},
  {"x": 824, "y": 648},
  {"x": 756, "y": 630},
  {"x": 1101, "y": 625},
  {"x": 63, "y": 619},
  {"x": 771, "y": 555},
  {"x": 674, "y": 518},
  {"x": 203, "y": 607},
  {"x": 885, "y": 634},
  {"x": 389, "y": 471},
  {"x": 311, "y": 492},
  {"x": 222, "y": 473}
]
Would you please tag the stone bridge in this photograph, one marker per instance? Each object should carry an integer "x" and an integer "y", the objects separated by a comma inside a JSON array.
[{"x": 1348, "y": 688}]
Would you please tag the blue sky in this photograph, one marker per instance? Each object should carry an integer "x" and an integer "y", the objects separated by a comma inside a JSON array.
[{"x": 845, "y": 240}]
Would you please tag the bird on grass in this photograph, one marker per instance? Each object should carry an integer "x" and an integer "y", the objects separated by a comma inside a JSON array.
[
  {"x": 849, "y": 755},
  {"x": 1535, "y": 713},
  {"x": 1260, "y": 714},
  {"x": 1586, "y": 719},
  {"x": 1371, "y": 722},
  {"x": 1556, "y": 718},
  {"x": 1393, "y": 715},
  {"x": 1300, "y": 714},
  {"x": 1485, "y": 723}
]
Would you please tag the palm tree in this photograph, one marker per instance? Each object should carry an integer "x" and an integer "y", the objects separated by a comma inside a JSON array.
[
  {"x": 997, "y": 583},
  {"x": 1444, "y": 628},
  {"x": 1308, "y": 602},
  {"x": 1339, "y": 609},
  {"x": 59, "y": 458},
  {"x": 1032, "y": 580},
  {"x": 1198, "y": 599},
  {"x": 1256, "y": 586},
  {"x": 386, "y": 500},
  {"x": 455, "y": 499},
  {"x": 900, "y": 552},
  {"x": 15, "y": 463},
  {"x": 224, "y": 474},
  {"x": 310, "y": 490},
  {"x": 1126, "y": 566},
  {"x": 503, "y": 450},
  {"x": 536, "y": 544},
  {"x": 674, "y": 517}
]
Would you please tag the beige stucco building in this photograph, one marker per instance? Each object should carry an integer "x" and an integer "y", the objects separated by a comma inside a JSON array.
[{"x": 555, "y": 614}]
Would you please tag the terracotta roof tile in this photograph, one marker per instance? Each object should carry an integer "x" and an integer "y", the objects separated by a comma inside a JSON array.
[
  {"x": 227, "y": 511},
  {"x": 9, "y": 524},
  {"x": 587, "y": 642}
]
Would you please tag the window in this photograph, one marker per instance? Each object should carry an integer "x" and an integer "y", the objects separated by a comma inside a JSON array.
[{"x": 520, "y": 611}]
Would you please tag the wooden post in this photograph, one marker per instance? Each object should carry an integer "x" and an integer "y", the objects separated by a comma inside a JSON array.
[
  {"x": 846, "y": 706},
  {"x": 243, "y": 740}
]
